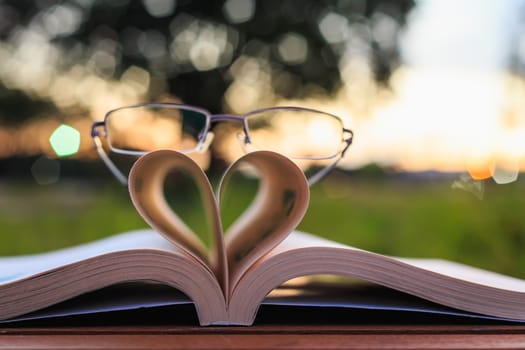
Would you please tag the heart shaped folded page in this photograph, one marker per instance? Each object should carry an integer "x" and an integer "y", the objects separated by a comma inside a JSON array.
[{"x": 276, "y": 210}]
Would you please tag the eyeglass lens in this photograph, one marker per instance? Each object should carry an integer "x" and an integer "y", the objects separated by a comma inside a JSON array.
[
  {"x": 147, "y": 128},
  {"x": 297, "y": 133}
]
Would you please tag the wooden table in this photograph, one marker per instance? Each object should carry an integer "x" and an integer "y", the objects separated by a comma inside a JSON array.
[
  {"x": 267, "y": 337},
  {"x": 274, "y": 329}
]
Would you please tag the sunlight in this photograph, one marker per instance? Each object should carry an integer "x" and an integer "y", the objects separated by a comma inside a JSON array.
[{"x": 436, "y": 120}]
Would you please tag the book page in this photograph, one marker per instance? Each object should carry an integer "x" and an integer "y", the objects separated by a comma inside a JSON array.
[
  {"x": 146, "y": 187},
  {"x": 278, "y": 207},
  {"x": 18, "y": 267},
  {"x": 469, "y": 273},
  {"x": 444, "y": 267},
  {"x": 447, "y": 283},
  {"x": 36, "y": 282},
  {"x": 448, "y": 268}
]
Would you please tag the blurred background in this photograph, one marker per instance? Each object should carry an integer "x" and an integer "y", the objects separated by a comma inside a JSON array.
[{"x": 434, "y": 91}]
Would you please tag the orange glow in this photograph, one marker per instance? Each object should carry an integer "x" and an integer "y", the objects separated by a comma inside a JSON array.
[{"x": 480, "y": 172}]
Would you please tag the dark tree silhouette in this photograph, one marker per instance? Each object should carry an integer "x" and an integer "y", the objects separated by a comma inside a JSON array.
[{"x": 135, "y": 33}]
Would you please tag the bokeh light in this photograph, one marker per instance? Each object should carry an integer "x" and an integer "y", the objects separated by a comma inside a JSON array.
[
  {"x": 160, "y": 8},
  {"x": 65, "y": 140},
  {"x": 293, "y": 48},
  {"x": 239, "y": 11},
  {"x": 45, "y": 171}
]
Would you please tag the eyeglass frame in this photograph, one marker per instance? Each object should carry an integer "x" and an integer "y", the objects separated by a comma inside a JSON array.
[{"x": 203, "y": 139}]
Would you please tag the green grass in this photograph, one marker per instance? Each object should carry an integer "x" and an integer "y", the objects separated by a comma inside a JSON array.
[
  {"x": 416, "y": 218},
  {"x": 35, "y": 219}
]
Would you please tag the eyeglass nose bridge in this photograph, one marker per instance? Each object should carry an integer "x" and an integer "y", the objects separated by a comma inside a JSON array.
[
  {"x": 244, "y": 138},
  {"x": 226, "y": 117}
]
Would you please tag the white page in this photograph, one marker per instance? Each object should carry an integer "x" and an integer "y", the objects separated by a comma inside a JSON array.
[{"x": 18, "y": 267}]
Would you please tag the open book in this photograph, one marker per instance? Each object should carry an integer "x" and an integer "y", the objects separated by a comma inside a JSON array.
[{"x": 230, "y": 275}]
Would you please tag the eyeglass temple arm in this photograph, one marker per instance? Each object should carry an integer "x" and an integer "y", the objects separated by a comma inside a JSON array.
[
  {"x": 321, "y": 173},
  {"x": 102, "y": 154}
]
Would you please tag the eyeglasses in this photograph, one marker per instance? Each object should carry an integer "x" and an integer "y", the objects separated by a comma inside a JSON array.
[{"x": 299, "y": 133}]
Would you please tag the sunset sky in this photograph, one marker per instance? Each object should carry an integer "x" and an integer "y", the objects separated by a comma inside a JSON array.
[
  {"x": 455, "y": 105},
  {"x": 452, "y": 105}
]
